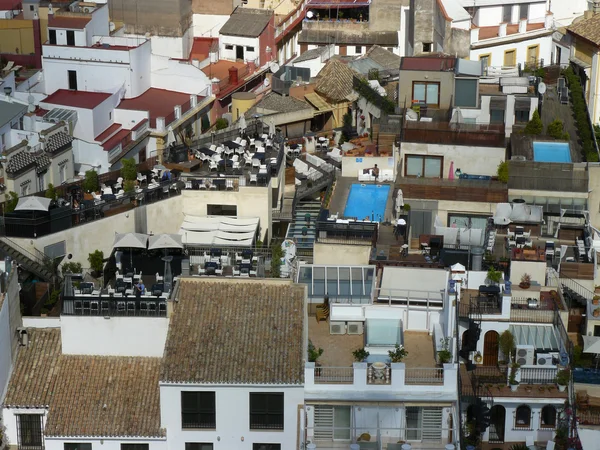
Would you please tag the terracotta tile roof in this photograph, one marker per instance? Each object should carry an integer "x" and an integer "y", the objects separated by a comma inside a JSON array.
[
  {"x": 75, "y": 389},
  {"x": 587, "y": 28},
  {"x": 58, "y": 141},
  {"x": 106, "y": 396},
  {"x": 110, "y": 131},
  {"x": 236, "y": 331},
  {"x": 72, "y": 23},
  {"x": 33, "y": 380},
  {"x": 335, "y": 81},
  {"x": 158, "y": 103},
  {"x": 76, "y": 99}
]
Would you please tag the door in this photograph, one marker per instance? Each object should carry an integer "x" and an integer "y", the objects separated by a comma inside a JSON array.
[
  {"x": 558, "y": 54},
  {"x": 510, "y": 58},
  {"x": 343, "y": 50},
  {"x": 490, "y": 349},
  {"x": 71, "y": 38},
  {"x": 532, "y": 55},
  {"x": 142, "y": 155},
  {"x": 72, "y": 77},
  {"x": 239, "y": 52},
  {"x": 497, "y": 424}
]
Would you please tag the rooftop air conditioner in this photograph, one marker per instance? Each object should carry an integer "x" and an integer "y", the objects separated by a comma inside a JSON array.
[
  {"x": 355, "y": 328},
  {"x": 337, "y": 328},
  {"x": 525, "y": 355},
  {"x": 544, "y": 359}
]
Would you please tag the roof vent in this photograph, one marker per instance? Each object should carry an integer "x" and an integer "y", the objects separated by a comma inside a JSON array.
[{"x": 23, "y": 336}]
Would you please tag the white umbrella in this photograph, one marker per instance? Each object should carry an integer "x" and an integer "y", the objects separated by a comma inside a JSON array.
[
  {"x": 164, "y": 241},
  {"x": 591, "y": 344},
  {"x": 347, "y": 146},
  {"x": 242, "y": 123},
  {"x": 171, "y": 136},
  {"x": 33, "y": 204},
  {"x": 272, "y": 130},
  {"x": 457, "y": 117},
  {"x": 458, "y": 267},
  {"x": 130, "y": 240},
  {"x": 401, "y": 222}
]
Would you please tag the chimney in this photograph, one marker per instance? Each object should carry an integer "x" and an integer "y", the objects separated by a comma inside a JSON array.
[
  {"x": 215, "y": 86},
  {"x": 251, "y": 67},
  {"x": 523, "y": 26},
  {"x": 502, "y": 30},
  {"x": 588, "y": 14},
  {"x": 193, "y": 100},
  {"x": 474, "y": 34},
  {"x": 7, "y": 93},
  {"x": 549, "y": 21},
  {"x": 233, "y": 75},
  {"x": 596, "y": 6}
]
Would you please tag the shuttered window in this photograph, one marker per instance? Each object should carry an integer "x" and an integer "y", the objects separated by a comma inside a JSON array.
[
  {"x": 423, "y": 424},
  {"x": 332, "y": 423}
]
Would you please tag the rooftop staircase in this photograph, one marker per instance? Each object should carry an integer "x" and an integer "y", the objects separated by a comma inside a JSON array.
[{"x": 27, "y": 260}]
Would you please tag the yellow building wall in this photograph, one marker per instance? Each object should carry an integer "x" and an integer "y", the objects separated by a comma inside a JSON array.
[
  {"x": 16, "y": 36},
  {"x": 584, "y": 52}
]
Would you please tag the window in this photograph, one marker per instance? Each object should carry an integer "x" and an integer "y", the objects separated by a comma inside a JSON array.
[
  {"x": 135, "y": 446},
  {"x": 72, "y": 77},
  {"x": 523, "y": 417},
  {"x": 78, "y": 446},
  {"x": 533, "y": 53},
  {"x": 426, "y": 92},
  {"x": 523, "y": 10},
  {"x": 507, "y": 13},
  {"x": 228, "y": 47},
  {"x": 2, "y": 141},
  {"x": 465, "y": 92},
  {"x": 510, "y": 58},
  {"x": 332, "y": 422},
  {"x": 423, "y": 423},
  {"x": 63, "y": 173},
  {"x": 427, "y": 47},
  {"x": 548, "y": 416},
  {"x": 31, "y": 8},
  {"x": 496, "y": 116},
  {"x": 266, "y": 411},
  {"x": 70, "y": 38},
  {"x": 198, "y": 410},
  {"x": 29, "y": 431},
  {"x": 486, "y": 59},
  {"x": 383, "y": 332},
  {"x": 110, "y": 115},
  {"x": 198, "y": 446},
  {"x": 358, "y": 49},
  {"x": 423, "y": 166},
  {"x": 522, "y": 116},
  {"x": 24, "y": 190},
  {"x": 221, "y": 210},
  {"x": 249, "y": 49},
  {"x": 522, "y": 108},
  {"x": 266, "y": 446}
]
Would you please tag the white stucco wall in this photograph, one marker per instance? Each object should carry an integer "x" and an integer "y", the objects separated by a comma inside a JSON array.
[
  {"x": 232, "y": 405},
  {"x": 87, "y": 154},
  {"x": 497, "y": 51},
  {"x": 565, "y": 12},
  {"x": 537, "y": 271},
  {"x": 352, "y": 164},
  {"x": 114, "y": 336},
  {"x": 5, "y": 349},
  {"x": 470, "y": 160},
  {"x": 107, "y": 443},
  {"x": 246, "y": 42},
  {"x": 208, "y": 25}
]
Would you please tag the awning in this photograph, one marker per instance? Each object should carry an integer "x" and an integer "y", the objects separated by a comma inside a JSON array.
[
  {"x": 591, "y": 344},
  {"x": 318, "y": 102},
  {"x": 130, "y": 240},
  {"x": 218, "y": 230},
  {"x": 522, "y": 104},
  {"x": 33, "y": 203},
  {"x": 497, "y": 102},
  {"x": 164, "y": 241},
  {"x": 542, "y": 337}
]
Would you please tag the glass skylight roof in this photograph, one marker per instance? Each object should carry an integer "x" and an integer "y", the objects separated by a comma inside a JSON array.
[{"x": 338, "y": 282}]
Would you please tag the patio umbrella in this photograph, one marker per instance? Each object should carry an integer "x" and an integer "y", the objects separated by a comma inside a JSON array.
[
  {"x": 164, "y": 241},
  {"x": 33, "y": 204},
  {"x": 171, "y": 136},
  {"x": 457, "y": 117},
  {"x": 272, "y": 130},
  {"x": 130, "y": 241},
  {"x": 242, "y": 123},
  {"x": 591, "y": 344},
  {"x": 451, "y": 171}
]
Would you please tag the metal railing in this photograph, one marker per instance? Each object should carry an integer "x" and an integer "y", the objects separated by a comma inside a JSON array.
[
  {"x": 349, "y": 233},
  {"x": 538, "y": 375},
  {"x": 414, "y": 297},
  {"x": 531, "y": 315},
  {"x": 334, "y": 375},
  {"x": 109, "y": 306},
  {"x": 424, "y": 376}
]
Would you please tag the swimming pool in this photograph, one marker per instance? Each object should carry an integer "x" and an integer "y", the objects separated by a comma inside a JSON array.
[
  {"x": 367, "y": 200},
  {"x": 558, "y": 152}
]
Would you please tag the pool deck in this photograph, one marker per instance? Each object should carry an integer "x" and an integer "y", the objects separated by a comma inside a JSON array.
[{"x": 337, "y": 205}]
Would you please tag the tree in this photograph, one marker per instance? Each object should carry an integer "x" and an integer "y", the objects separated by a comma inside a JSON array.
[
  {"x": 534, "y": 127},
  {"x": 221, "y": 123},
  {"x": 503, "y": 172},
  {"x": 90, "y": 183},
  {"x": 347, "y": 126},
  {"x": 51, "y": 192},
  {"x": 276, "y": 255},
  {"x": 11, "y": 202},
  {"x": 506, "y": 342},
  {"x": 71, "y": 267},
  {"x": 96, "y": 260},
  {"x": 556, "y": 130},
  {"x": 129, "y": 169},
  {"x": 129, "y": 186}
]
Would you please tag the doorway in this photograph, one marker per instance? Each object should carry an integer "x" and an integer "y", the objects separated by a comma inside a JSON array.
[
  {"x": 239, "y": 52},
  {"x": 558, "y": 55},
  {"x": 72, "y": 76},
  {"x": 497, "y": 424},
  {"x": 490, "y": 349}
]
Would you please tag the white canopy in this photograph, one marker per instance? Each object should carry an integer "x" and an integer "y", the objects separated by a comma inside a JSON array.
[
  {"x": 33, "y": 203},
  {"x": 458, "y": 267},
  {"x": 591, "y": 344},
  {"x": 130, "y": 240},
  {"x": 164, "y": 241},
  {"x": 518, "y": 212},
  {"x": 210, "y": 238},
  {"x": 218, "y": 230},
  {"x": 242, "y": 123}
]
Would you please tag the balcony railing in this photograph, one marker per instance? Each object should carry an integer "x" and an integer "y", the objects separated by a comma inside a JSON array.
[
  {"x": 451, "y": 134},
  {"x": 531, "y": 315},
  {"x": 538, "y": 375},
  {"x": 109, "y": 306},
  {"x": 394, "y": 377}
]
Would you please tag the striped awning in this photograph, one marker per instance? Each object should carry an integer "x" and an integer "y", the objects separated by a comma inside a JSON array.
[{"x": 542, "y": 337}]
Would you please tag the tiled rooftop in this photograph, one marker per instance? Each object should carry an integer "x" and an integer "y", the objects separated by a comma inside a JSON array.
[
  {"x": 76, "y": 99},
  {"x": 230, "y": 331},
  {"x": 86, "y": 395},
  {"x": 158, "y": 102},
  {"x": 70, "y": 23}
]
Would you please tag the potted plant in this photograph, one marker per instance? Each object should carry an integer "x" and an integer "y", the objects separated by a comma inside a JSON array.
[
  {"x": 494, "y": 276},
  {"x": 596, "y": 312},
  {"x": 398, "y": 354},
  {"x": 360, "y": 354},
  {"x": 512, "y": 379},
  {"x": 562, "y": 379},
  {"x": 96, "y": 260},
  {"x": 596, "y": 299},
  {"x": 525, "y": 281},
  {"x": 506, "y": 342},
  {"x": 444, "y": 355},
  {"x": 313, "y": 352}
]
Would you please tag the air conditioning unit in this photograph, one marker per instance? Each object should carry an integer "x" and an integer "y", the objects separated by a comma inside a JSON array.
[
  {"x": 544, "y": 359},
  {"x": 337, "y": 327},
  {"x": 525, "y": 355},
  {"x": 87, "y": 10},
  {"x": 355, "y": 328}
]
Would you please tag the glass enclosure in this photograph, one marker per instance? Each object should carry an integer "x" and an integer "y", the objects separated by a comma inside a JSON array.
[{"x": 343, "y": 284}]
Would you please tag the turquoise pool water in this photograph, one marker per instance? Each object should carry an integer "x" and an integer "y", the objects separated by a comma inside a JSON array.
[
  {"x": 558, "y": 152},
  {"x": 367, "y": 200}
]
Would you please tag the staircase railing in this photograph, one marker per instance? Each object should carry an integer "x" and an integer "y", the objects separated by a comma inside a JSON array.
[
  {"x": 37, "y": 258},
  {"x": 576, "y": 287}
]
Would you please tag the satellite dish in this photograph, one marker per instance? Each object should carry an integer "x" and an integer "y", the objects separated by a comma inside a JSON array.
[
  {"x": 310, "y": 14},
  {"x": 542, "y": 88},
  {"x": 266, "y": 83},
  {"x": 274, "y": 67}
]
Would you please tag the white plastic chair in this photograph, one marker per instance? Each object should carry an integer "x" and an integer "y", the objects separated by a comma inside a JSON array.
[{"x": 550, "y": 445}]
